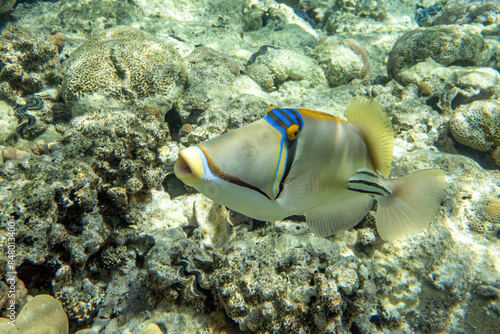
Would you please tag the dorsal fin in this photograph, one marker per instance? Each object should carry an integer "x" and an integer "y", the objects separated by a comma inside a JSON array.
[{"x": 375, "y": 127}]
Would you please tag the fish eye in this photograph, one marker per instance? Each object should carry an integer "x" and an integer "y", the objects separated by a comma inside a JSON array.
[{"x": 293, "y": 132}]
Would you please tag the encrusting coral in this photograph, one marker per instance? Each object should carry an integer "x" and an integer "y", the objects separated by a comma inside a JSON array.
[
  {"x": 484, "y": 12},
  {"x": 476, "y": 125},
  {"x": 445, "y": 45},
  {"x": 491, "y": 210},
  {"x": 28, "y": 63},
  {"x": 360, "y": 50},
  {"x": 122, "y": 146}
]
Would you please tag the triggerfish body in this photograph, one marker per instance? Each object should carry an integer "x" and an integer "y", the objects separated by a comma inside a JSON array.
[{"x": 298, "y": 161}]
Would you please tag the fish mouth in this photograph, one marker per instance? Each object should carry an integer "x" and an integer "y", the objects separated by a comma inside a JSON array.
[{"x": 189, "y": 167}]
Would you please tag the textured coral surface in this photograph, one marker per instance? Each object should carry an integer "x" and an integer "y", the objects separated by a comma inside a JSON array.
[
  {"x": 123, "y": 62},
  {"x": 100, "y": 223}
]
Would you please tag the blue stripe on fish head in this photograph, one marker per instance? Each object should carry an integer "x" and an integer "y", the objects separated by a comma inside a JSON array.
[{"x": 283, "y": 120}]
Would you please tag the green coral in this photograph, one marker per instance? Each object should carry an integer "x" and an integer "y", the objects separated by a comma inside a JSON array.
[
  {"x": 124, "y": 62},
  {"x": 445, "y": 45}
]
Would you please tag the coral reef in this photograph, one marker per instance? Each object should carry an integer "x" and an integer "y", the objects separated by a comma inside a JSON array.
[
  {"x": 448, "y": 87},
  {"x": 485, "y": 12},
  {"x": 124, "y": 63},
  {"x": 491, "y": 210},
  {"x": 276, "y": 282},
  {"x": 360, "y": 50},
  {"x": 123, "y": 148},
  {"x": 101, "y": 225},
  {"x": 445, "y": 45},
  {"x": 41, "y": 315},
  {"x": 343, "y": 60},
  {"x": 275, "y": 66},
  {"x": 6, "y": 5},
  {"x": 210, "y": 74},
  {"x": 476, "y": 126},
  {"x": 28, "y": 63}
]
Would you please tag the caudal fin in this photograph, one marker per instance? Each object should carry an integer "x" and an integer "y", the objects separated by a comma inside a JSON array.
[{"x": 414, "y": 203}]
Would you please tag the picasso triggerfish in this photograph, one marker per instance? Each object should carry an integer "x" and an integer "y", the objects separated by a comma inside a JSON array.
[{"x": 304, "y": 162}]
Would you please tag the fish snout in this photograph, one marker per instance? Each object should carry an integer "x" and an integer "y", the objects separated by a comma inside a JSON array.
[{"x": 189, "y": 166}]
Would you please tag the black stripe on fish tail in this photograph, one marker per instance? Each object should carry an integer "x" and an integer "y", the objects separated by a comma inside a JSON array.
[
  {"x": 364, "y": 191},
  {"x": 372, "y": 187},
  {"x": 366, "y": 171}
]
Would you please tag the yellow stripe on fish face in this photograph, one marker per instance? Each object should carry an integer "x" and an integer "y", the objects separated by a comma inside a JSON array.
[
  {"x": 289, "y": 123},
  {"x": 318, "y": 115}
]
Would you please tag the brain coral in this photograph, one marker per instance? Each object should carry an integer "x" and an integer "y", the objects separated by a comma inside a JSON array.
[
  {"x": 445, "y": 45},
  {"x": 124, "y": 62},
  {"x": 476, "y": 125}
]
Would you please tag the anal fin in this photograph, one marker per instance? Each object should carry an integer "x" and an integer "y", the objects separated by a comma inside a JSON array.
[{"x": 334, "y": 218}]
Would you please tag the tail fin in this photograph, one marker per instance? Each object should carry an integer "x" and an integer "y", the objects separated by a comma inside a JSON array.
[
  {"x": 406, "y": 205},
  {"x": 413, "y": 205}
]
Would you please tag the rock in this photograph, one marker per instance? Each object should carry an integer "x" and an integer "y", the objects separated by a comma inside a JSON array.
[
  {"x": 151, "y": 329},
  {"x": 275, "y": 66},
  {"x": 6, "y": 5},
  {"x": 41, "y": 315},
  {"x": 343, "y": 60}
]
